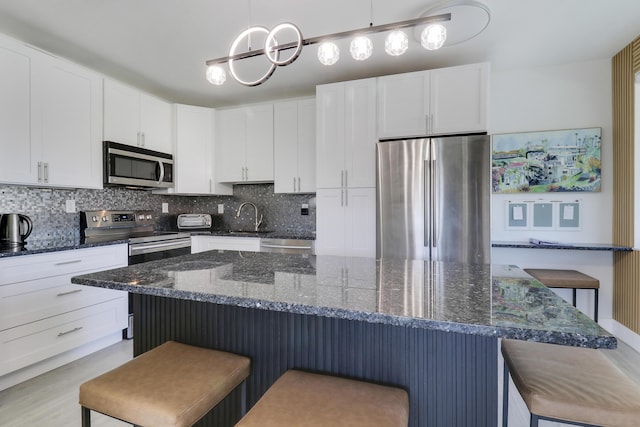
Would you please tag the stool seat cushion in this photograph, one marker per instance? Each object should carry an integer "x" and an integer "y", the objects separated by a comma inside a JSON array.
[
  {"x": 570, "y": 383},
  {"x": 311, "y": 400},
  {"x": 171, "y": 385},
  {"x": 563, "y": 278}
]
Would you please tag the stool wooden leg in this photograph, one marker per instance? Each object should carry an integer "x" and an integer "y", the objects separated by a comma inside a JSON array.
[
  {"x": 505, "y": 396},
  {"x": 595, "y": 308},
  {"x": 575, "y": 291},
  {"x": 86, "y": 417}
]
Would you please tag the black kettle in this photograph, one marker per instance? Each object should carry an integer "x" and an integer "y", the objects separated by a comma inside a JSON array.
[{"x": 14, "y": 229}]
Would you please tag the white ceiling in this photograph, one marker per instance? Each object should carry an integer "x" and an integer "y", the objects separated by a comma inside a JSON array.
[{"x": 161, "y": 45}]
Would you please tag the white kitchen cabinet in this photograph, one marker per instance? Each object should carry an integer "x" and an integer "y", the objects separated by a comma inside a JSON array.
[
  {"x": 435, "y": 102},
  {"x": 66, "y": 123},
  {"x": 346, "y": 222},
  {"x": 224, "y": 243},
  {"x": 346, "y": 134},
  {"x": 135, "y": 118},
  {"x": 45, "y": 321},
  {"x": 294, "y": 136},
  {"x": 50, "y": 120},
  {"x": 194, "y": 152},
  {"x": 18, "y": 161},
  {"x": 244, "y": 144}
]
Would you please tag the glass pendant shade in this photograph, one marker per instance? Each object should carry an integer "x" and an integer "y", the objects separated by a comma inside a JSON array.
[
  {"x": 433, "y": 37},
  {"x": 216, "y": 75},
  {"x": 361, "y": 48},
  {"x": 328, "y": 53},
  {"x": 396, "y": 43}
]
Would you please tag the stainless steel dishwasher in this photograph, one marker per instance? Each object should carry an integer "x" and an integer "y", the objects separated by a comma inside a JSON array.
[{"x": 287, "y": 246}]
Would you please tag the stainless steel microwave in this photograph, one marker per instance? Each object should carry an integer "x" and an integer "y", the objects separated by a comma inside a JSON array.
[{"x": 128, "y": 166}]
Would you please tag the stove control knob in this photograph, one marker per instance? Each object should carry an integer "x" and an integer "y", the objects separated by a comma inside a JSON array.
[
  {"x": 140, "y": 217},
  {"x": 95, "y": 218},
  {"x": 105, "y": 218},
  {"x": 149, "y": 217}
]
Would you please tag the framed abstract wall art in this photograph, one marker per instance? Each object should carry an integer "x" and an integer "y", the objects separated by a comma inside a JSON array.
[{"x": 547, "y": 161}]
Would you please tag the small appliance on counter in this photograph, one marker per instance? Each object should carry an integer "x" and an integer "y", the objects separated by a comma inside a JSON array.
[
  {"x": 14, "y": 229},
  {"x": 194, "y": 222}
]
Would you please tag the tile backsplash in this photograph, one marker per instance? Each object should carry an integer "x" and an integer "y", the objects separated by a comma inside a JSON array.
[{"x": 46, "y": 208}]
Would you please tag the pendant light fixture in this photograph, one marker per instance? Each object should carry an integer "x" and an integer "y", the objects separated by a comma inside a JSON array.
[
  {"x": 428, "y": 28},
  {"x": 396, "y": 43}
]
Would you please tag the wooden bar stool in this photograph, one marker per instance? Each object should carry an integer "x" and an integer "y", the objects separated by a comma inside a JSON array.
[
  {"x": 312, "y": 400},
  {"x": 568, "y": 279},
  {"x": 575, "y": 385},
  {"x": 172, "y": 385}
]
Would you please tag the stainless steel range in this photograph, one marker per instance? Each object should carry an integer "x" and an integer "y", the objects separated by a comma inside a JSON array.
[{"x": 136, "y": 227}]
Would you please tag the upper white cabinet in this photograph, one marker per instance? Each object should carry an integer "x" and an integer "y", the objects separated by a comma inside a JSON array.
[
  {"x": 294, "y": 140},
  {"x": 18, "y": 161},
  {"x": 67, "y": 123},
  {"x": 435, "y": 102},
  {"x": 135, "y": 118},
  {"x": 346, "y": 134},
  {"x": 194, "y": 152},
  {"x": 51, "y": 120},
  {"x": 244, "y": 144}
]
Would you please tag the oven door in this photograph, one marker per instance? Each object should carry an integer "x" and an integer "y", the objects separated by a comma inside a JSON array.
[{"x": 151, "y": 251}]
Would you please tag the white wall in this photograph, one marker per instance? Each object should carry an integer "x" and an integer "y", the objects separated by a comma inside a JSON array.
[{"x": 567, "y": 96}]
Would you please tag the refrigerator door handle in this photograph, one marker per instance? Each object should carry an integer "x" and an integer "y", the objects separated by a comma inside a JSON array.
[{"x": 433, "y": 168}]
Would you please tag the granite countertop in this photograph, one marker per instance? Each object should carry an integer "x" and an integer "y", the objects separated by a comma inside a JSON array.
[
  {"x": 560, "y": 245},
  {"x": 32, "y": 248},
  {"x": 490, "y": 300}
]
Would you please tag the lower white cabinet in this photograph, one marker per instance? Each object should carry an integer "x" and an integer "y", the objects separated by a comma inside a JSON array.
[
  {"x": 224, "y": 243},
  {"x": 44, "y": 318},
  {"x": 346, "y": 221}
]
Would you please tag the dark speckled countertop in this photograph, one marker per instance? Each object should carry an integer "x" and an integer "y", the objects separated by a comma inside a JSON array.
[
  {"x": 490, "y": 300},
  {"x": 559, "y": 245}
]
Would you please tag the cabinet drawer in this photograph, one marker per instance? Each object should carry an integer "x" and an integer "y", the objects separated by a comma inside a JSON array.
[
  {"x": 31, "y": 343},
  {"x": 30, "y": 267},
  {"x": 28, "y": 302}
]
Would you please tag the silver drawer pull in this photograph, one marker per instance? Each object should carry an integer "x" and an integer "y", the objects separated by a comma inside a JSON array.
[
  {"x": 76, "y": 329},
  {"x": 75, "y": 261},
  {"x": 75, "y": 291}
]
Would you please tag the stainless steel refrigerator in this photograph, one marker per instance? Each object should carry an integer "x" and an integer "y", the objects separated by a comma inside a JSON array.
[{"x": 433, "y": 199}]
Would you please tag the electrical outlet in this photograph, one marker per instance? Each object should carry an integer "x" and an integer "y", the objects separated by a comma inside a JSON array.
[
  {"x": 70, "y": 206},
  {"x": 220, "y": 208},
  {"x": 165, "y": 208},
  {"x": 305, "y": 209}
]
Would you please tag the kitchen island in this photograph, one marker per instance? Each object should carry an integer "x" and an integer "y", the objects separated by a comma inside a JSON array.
[{"x": 429, "y": 327}]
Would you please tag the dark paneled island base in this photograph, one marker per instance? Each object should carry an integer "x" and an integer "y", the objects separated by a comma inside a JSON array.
[{"x": 451, "y": 377}]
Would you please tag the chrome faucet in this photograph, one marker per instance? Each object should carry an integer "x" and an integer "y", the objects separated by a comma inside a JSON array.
[{"x": 258, "y": 221}]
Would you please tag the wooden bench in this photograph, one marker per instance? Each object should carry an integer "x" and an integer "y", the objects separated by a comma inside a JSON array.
[
  {"x": 312, "y": 400},
  {"x": 570, "y": 384},
  {"x": 568, "y": 279},
  {"x": 172, "y": 385}
]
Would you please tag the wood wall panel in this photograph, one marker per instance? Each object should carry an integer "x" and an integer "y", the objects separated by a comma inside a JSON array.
[{"x": 626, "y": 293}]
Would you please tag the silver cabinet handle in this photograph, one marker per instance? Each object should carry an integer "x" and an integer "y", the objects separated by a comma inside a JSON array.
[
  {"x": 46, "y": 172},
  {"x": 39, "y": 171},
  {"x": 299, "y": 184},
  {"x": 294, "y": 184},
  {"x": 76, "y": 329},
  {"x": 342, "y": 178},
  {"x": 75, "y": 291},
  {"x": 346, "y": 197},
  {"x": 138, "y": 143},
  {"x": 346, "y": 178},
  {"x": 144, "y": 139},
  {"x": 75, "y": 261}
]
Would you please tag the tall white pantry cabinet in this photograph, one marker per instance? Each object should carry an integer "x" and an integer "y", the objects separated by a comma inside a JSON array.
[{"x": 345, "y": 155}]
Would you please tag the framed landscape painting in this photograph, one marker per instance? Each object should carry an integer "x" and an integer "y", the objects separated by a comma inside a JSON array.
[{"x": 547, "y": 161}]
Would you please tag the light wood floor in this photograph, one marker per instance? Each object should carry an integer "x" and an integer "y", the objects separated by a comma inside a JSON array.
[{"x": 51, "y": 399}]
